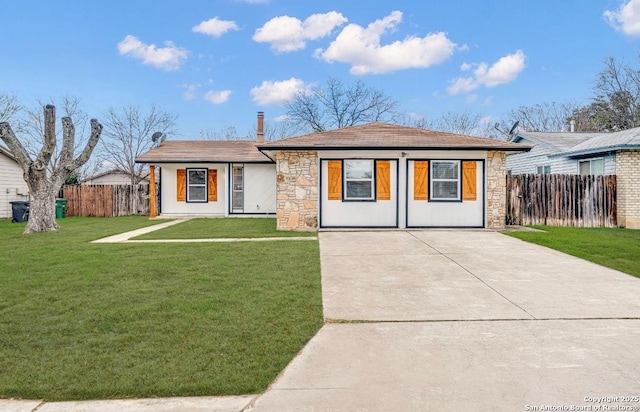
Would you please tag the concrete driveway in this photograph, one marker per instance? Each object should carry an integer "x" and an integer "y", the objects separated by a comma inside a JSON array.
[{"x": 464, "y": 320}]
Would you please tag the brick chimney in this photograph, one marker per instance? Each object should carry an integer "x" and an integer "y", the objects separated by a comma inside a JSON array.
[{"x": 260, "y": 133}]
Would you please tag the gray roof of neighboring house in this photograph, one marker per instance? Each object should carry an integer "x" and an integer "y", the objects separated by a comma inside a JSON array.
[
  {"x": 379, "y": 136},
  {"x": 204, "y": 151},
  {"x": 559, "y": 141},
  {"x": 114, "y": 171},
  {"x": 584, "y": 143},
  {"x": 606, "y": 142}
]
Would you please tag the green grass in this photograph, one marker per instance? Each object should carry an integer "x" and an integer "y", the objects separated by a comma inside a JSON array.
[
  {"x": 614, "y": 248},
  {"x": 212, "y": 228},
  {"x": 103, "y": 321}
]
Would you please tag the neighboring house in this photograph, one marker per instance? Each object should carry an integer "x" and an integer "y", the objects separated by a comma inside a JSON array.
[
  {"x": 12, "y": 185},
  {"x": 552, "y": 152},
  {"x": 113, "y": 177},
  {"x": 587, "y": 153}
]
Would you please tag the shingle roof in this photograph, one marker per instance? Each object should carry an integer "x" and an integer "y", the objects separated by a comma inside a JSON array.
[
  {"x": 204, "y": 151},
  {"x": 378, "y": 136},
  {"x": 583, "y": 143},
  {"x": 557, "y": 140},
  {"x": 624, "y": 139}
]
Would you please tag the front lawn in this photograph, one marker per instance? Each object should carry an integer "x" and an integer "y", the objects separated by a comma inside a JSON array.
[
  {"x": 614, "y": 248},
  {"x": 103, "y": 321},
  {"x": 213, "y": 228}
]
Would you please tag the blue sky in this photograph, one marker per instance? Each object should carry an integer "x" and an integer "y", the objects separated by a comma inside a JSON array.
[{"x": 216, "y": 63}]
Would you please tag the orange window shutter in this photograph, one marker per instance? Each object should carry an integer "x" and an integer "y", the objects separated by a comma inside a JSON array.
[
  {"x": 469, "y": 183},
  {"x": 212, "y": 183},
  {"x": 181, "y": 177},
  {"x": 335, "y": 179},
  {"x": 420, "y": 180},
  {"x": 383, "y": 180}
]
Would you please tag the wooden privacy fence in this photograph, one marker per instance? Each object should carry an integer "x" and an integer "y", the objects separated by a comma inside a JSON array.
[
  {"x": 561, "y": 200},
  {"x": 107, "y": 200}
]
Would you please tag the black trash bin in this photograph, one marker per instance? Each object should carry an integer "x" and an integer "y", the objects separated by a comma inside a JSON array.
[{"x": 19, "y": 211}]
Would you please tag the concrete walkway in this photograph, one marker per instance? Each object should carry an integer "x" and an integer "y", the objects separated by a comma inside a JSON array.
[
  {"x": 193, "y": 404},
  {"x": 123, "y": 237},
  {"x": 127, "y": 236},
  {"x": 463, "y": 320}
]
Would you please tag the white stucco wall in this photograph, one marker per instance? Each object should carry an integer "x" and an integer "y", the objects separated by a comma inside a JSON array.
[
  {"x": 259, "y": 188},
  {"x": 428, "y": 213},
  {"x": 437, "y": 214},
  {"x": 379, "y": 213},
  {"x": 168, "y": 194},
  {"x": 12, "y": 185}
]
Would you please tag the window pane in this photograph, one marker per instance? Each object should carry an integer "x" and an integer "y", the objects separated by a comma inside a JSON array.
[
  {"x": 197, "y": 177},
  {"x": 197, "y": 193},
  {"x": 547, "y": 170},
  {"x": 358, "y": 169},
  {"x": 597, "y": 167},
  {"x": 445, "y": 190},
  {"x": 445, "y": 170},
  {"x": 238, "y": 200},
  {"x": 539, "y": 169},
  {"x": 584, "y": 168},
  {"x": 359, "y": 190}
]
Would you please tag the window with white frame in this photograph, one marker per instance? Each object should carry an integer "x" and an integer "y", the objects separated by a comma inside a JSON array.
[
  {"x": 591, "y": 167},
  {"x": 445, "y": 180},
  {"x": 358, "y": 179},
  {"x": 543, "y": 170},
  {"x": 196, "y": 185}
]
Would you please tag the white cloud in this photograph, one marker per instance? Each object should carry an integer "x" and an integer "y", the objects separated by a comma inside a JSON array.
[
  {"x": 626, "y": 19},
  {"x": 167, "y": 58},
  {"x": 361, "y": 48},
  {"x": 505, "y": 70},
  {"x": 190, "y": 91},
  {"x": 217, "y": 96},
  {"x": 282, "y": 118},
  {"x": 278, "y": 92},
  {"x": 215, "y": 27},
  {"x": 287, "y": 34}
]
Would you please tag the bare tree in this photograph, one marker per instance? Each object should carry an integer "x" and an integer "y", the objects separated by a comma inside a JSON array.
[
  {"x": 127, "y": 135},
  {"x": 451, "y": 122},
  {"x": 336, "y": 106},
  {"x": 273, "y": 130},
  {"x": 9, "y": 107},
  {"x": 43, "y": 182},
  {"x": 226, "y": 133},
  {"x": 31, "y": 125},
  {"x": 460, "y": 123},
  {"x": 543, "y": 117}
]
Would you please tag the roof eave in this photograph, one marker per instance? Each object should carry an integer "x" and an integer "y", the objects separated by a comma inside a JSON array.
[
  {"x": 521, "y": 148},
  {"x": 536, "y": 141},
  {"x": 160, "y": 161},
  {"x": 597, "y": 150}
]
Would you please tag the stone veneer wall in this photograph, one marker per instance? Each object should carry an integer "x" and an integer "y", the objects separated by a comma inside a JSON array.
[
  {"x": 496, "y": 189},
  {"x": 628, "y": 191},
  {"x": 297, "y": 190}
]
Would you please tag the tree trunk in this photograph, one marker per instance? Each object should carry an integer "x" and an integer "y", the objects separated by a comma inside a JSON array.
[
  {"x": 43, "y": 188},
  {"x": 42, "y": 211}
]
